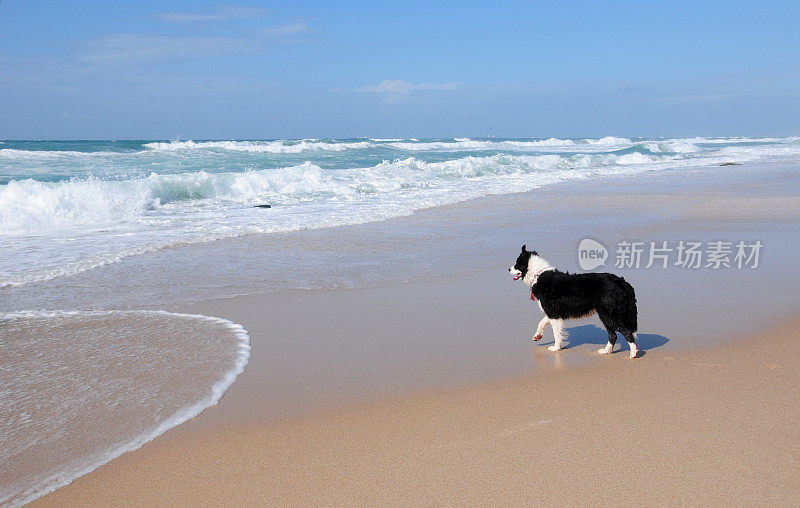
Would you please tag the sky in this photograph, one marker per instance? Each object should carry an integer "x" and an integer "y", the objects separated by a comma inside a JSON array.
[{"x": 303, "y": 69}]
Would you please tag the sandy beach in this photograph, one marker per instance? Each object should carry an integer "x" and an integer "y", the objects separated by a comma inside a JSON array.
[
  {"x": 712, "y": 427},
  {"x": 428, "y": 390}
]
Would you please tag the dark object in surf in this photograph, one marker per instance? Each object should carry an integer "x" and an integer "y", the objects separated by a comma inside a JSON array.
[
  {"x": 731, "y": 164},
  {"x": 262, "y": 206}
]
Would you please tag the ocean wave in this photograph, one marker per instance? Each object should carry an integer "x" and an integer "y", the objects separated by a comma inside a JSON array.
[
  {"x": 671, "y": 146},
  {"x": 52, "y": 227},
  {"x": 109, "y": 151},
  {"x": 280, "y": 146},
  {"x": 607, "y": 140},
  {"x": 467, "y": 144},
  {"x": 17, "y": 154},
  {"x": 738, "y": 140},
  {"x": 411, "y": 144},
  {"x": 30, "y": 206}
]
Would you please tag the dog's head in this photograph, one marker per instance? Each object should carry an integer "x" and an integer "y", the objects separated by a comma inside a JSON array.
[{"x": 520, "y": 267}]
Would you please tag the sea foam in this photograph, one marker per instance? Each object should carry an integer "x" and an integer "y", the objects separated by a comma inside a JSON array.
[
  {"x": 260, "y": 146},
  {"x": 33, "y": 207},
  {"x": 62, "y": 212}
]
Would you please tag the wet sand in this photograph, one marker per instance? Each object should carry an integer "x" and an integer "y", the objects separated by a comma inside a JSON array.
[
  {"x": 715, "y": 426},
  {"x": 430, "y": 391}
]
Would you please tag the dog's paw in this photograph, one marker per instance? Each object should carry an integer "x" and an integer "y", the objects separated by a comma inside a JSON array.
[
  {"x": 537, "y": 337},
  {"x": 554, "y": 348},
  {"x": 634, "y": 354},
  {"x": 603, "y": 351}
]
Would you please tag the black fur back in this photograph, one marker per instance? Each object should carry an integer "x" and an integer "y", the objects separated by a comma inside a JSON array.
[{"x": 566, "y": 295}]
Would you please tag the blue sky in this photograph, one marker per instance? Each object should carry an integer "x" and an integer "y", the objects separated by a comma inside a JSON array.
[{"x": 201, "y": 70}]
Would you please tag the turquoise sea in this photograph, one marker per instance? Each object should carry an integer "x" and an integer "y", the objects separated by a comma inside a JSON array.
[{"x": 70, "y": 206}]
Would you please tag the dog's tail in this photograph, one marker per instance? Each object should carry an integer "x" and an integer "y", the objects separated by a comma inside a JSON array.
[{"x": 630, "y": 315}]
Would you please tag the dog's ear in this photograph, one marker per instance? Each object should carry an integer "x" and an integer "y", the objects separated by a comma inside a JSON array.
[{"x": 523, "y": 248}]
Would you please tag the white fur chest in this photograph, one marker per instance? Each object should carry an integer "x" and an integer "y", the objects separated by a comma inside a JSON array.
[{"x": 536, "y": 266}]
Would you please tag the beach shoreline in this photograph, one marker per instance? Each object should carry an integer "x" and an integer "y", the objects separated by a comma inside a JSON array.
[
  {"x": 459, "y": 327},
  {"x": 710, "y": 426},
  {"x": 323, "y": 254},
  {"x": 335, "y": 353}
]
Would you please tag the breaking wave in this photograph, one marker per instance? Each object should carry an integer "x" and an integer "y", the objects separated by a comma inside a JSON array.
[
  {"x": 62, "y": 212},
  {"x": 260, "y": 146},
  {"x": 30, "y": 206}
]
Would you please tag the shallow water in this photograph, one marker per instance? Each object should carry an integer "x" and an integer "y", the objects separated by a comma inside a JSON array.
[{"x": 80, "y": 388}]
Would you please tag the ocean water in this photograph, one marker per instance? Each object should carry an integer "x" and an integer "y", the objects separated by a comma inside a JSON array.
[
  {"x": 80, "y": 388},
  {"x": 70, "y": 206}
]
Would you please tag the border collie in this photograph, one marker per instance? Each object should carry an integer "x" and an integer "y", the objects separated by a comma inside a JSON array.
[{"x": 564, "y": 295}]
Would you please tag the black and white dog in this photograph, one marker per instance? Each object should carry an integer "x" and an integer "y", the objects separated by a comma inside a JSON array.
[{"x": 574, "y": 295}]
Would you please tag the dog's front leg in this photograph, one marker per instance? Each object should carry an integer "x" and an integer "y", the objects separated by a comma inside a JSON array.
[
  {"x": 558, "y": 334},
  {"x": 541, "y": 328}
]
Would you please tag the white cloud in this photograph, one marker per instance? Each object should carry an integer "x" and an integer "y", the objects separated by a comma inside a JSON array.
[
  {"x": 287, "y": 30},
  {"x": 134, "y": 48},
  {"x": 402, "y": 87},
  {"x": 700, "y": 98},
  {"x": 124, "y": 48},
  {"x": 225, "y": 13}
]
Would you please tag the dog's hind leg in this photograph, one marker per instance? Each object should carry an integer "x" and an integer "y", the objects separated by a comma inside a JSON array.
[
  {"x": 612, "y": 335},
  {"x": 631, "y": 338},
  {"x": 558, "y": 334},
  {"x": 612, "y": 339},
  {"x": 541, "y": 328}
]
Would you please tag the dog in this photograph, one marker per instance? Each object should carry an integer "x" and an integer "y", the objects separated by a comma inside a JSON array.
[{"x": 563, "y": 295}]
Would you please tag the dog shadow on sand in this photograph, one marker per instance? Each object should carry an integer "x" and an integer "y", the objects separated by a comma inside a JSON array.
[{"x": 596, "y": 336}]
